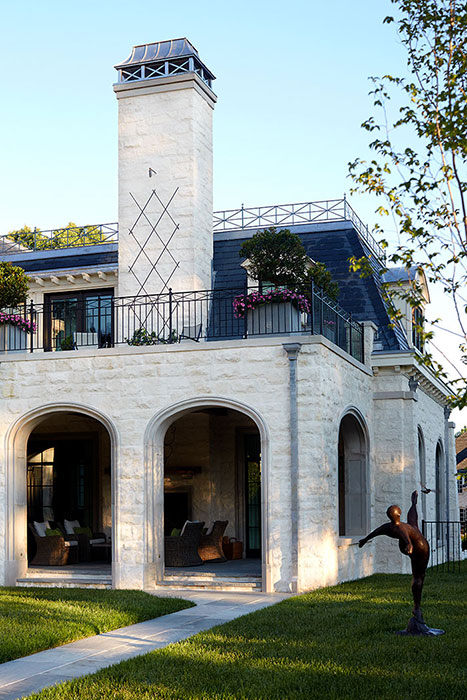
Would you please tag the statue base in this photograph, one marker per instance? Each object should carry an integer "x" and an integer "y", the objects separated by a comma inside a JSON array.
[{"x": 418, "y": 628}]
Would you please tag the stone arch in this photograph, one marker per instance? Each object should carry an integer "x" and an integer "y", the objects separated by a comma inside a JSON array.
[
  {"x": 16, "y": 440},
  {"x": 154, "y": 476},
  {"x": 353, "y": 474}
]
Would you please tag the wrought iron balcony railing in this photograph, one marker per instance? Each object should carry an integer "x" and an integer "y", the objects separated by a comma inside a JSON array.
[
  {"x": 244, "y": 218},
  {"x": 104, "y": 321},
  {"x": 327, "y": 210},
  {"x": 54, "y": 239}
]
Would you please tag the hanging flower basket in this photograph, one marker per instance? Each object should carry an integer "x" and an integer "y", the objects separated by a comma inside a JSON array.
[{"x": 244, "y": 302}]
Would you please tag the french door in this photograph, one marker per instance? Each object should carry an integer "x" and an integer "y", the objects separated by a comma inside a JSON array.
[
  {"x": 252, "y": 446},
  {"x": 78, "y": 319}
]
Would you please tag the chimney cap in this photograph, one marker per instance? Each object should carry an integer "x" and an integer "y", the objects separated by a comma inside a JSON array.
[{"x": 179, "y": 54}]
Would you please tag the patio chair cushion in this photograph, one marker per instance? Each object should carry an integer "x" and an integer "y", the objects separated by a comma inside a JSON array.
[
  {"x": 51, "y": 531},
  {"x": 183, "y": 550},
  {"x": 41, "y": 528},
  {"x": 82, "y": 531},
  {"x": 70, "y": 526},
  {"x": 97, "y": 540},
  {"x": 176, "y": 532},
  {"x": 71, "y": 543},
  {"x": 189, "y": 522}
]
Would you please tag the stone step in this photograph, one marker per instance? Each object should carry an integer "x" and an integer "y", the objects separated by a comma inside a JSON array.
[
  {"x": 212, "y": 576},
  {"x": 213, "y": 579},
  {"x": 195, "y": 583},
  {"x": 67, "y": 576},
  {"x": 101, "y": 582}
]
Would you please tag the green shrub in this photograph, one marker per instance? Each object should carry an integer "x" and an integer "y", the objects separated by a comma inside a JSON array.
[{"x": 14, "y": 286}]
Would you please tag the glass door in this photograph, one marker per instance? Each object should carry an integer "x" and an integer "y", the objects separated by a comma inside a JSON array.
[
  {"x": 81, "y": 319},
  {"x": 252, "y": 445},
  {"x": 63, "y": 323}
]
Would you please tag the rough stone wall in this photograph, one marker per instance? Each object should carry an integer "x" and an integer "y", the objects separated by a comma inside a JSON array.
[
  {"x": 170, "y": 131},
  {"x": 130, "y": 386},
  {"x": 328, "y": 388}
]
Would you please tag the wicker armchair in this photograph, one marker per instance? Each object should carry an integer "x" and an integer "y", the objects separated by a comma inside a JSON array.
[
  {"x": 183, "y": 550},
  {"x": 85, "y": 543},
  {"x": 52, "y": 550},
  {"x": 210, "y": 545}
]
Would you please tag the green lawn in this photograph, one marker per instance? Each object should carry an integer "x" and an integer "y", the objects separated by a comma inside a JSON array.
[
  {"x": 333, "y": 643},
  {"x": 32, "y": 619}
]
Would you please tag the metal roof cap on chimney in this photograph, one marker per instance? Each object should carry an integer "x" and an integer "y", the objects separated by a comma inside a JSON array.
[{"x": 162, "y": 59}]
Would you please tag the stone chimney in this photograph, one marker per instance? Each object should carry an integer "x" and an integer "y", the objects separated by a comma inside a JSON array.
[{"x": 165, "y": 205}]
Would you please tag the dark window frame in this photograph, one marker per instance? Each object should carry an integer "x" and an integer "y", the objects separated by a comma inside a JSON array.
[{"x": 80, "y": 295}]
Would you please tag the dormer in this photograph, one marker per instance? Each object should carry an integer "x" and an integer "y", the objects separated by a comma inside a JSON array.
[{"x": 402, "y": 282}]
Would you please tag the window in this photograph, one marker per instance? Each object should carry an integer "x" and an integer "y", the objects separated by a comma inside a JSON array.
[
  {"x": 417, "y": 329},
  {"x": 440, "y": 490},
  {"x": 353, "y": 480},
  {"x": 40, "y": 484},
  {"x": 422, "y": 474},
  {"x": 77, "y": 319}
]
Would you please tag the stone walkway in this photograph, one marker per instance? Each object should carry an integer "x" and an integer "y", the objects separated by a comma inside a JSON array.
[{"x": 32, "y": 673}]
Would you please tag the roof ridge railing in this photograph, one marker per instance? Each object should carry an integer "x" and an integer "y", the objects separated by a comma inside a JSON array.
[
  {"x": 327, "y": 210},
  {"x": 18, "y": 242}
]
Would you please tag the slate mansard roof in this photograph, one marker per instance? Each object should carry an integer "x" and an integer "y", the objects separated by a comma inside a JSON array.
[{"x": 332, "y": 244}]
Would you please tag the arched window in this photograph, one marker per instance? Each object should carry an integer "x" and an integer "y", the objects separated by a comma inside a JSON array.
[
  {"x": 439, "y": 470},
  {"x": 417, "y": 328},
  {"x": 422, "y": 474},
  {"x": 353, "y": 478}
]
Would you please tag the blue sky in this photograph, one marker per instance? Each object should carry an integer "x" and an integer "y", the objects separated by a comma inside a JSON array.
[
  {"x": 291, "y": 82},
  {"x": 292, "y": 86}
]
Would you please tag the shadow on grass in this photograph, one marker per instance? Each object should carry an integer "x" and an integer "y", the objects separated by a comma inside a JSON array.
[
  {"x": 35, "y": 619},
  {"x": 332, "y": 643}
]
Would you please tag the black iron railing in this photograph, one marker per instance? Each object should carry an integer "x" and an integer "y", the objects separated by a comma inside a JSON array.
[
  {"x": 244, "y": 218},
  {"x": 281, "y": 215},
  {"x": 172, "y": 317},
  {"x": 444, "y": 538},
  {"x": 55, "y": 239}
]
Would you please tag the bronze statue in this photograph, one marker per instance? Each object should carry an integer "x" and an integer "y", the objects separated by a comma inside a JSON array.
[{"x": 414, "y": 545}]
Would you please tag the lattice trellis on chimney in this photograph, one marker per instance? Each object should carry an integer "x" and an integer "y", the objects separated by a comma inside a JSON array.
[{"x": 165, "y": 250}]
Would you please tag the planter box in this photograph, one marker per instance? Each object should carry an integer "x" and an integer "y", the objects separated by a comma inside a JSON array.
[
  {"x": 12, "y": 339},
  {"x": 274, "y": 319}
]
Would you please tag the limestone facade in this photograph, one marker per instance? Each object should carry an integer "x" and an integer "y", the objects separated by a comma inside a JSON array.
[
  {"x": 138, "y": 393},
  {"x": 171, "y": 416}
]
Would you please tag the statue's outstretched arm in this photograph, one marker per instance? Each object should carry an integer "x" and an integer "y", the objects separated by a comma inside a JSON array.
[{"x": 381, "y": 530}]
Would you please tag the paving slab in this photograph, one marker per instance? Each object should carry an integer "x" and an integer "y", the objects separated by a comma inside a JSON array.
[{"x": 21, "y": 677}]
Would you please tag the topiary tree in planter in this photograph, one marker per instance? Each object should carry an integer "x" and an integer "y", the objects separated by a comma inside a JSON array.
[
  {"x": 14, "y": 328},
  {"x": 276, "y": 256},
  {"x": 14, "y": 286},
  {"x": 280, "y": 258}
]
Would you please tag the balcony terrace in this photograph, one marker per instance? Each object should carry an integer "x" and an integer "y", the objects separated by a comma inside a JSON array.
[{"x": 103, "y": 321}]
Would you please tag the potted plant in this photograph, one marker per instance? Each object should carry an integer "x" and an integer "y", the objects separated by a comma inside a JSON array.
[
  {"x": 14, "y": 328},
  {"x": 279, "y": 263}
]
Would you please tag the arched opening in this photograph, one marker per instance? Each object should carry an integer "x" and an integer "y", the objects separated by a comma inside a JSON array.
[
  {"x": 213, "y": 475},
  {"x": 422, "y": 473},
  {"x": 59, "y": 498},
  {"x": 439, "y": 470},
  {"x": 353, "y": 477}
]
